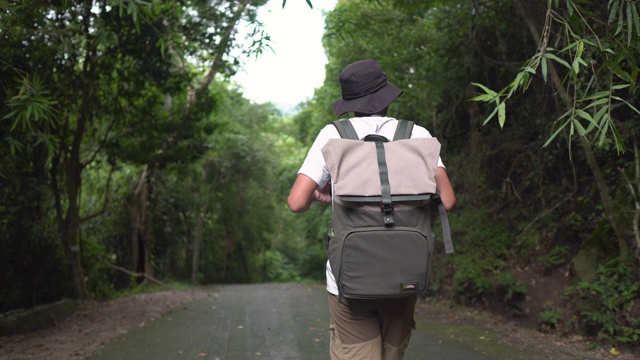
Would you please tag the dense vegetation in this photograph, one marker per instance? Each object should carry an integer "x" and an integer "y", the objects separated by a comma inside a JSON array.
[{"x": 128, "y": 157}]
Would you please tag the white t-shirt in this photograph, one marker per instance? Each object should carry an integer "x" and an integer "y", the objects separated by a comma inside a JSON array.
[{"x": 315, "y": 167}]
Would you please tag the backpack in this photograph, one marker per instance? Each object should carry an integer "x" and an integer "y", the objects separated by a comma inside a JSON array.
[{"x": 380, "y": 244}]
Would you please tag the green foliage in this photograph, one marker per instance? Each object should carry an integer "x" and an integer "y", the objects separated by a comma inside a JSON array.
[
  {"x": 150, "y": 287},
  {"x": 513, "y": 290},
  {"x": 312, "y": 262},
  {"x": 550, "y": 318},
  {"x": 479, "y": 261},
  {"x": 219, "y": 168},
  {"x": 555, "y": 257},
  {"x": 276, "y": 268},
  {"x": 33, "y": 262},
  {"x": 115, "y": 83},
  {"x": 594, "y": 59},
  {"x": 416, "y": 48},
  {"x": 516, "y": 187},
  {"x": 607, "y": 304},
  {"x": 97, "y": 272},
  {"x": 32, "y": 112},
  {"x": 471, "y": 282}
]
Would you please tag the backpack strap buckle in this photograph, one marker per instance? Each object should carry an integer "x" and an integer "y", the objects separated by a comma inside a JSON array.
[{"x": 387, "y": 213}]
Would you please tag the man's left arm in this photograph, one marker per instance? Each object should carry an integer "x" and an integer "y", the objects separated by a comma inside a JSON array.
[{"x": 447, "y": 195}]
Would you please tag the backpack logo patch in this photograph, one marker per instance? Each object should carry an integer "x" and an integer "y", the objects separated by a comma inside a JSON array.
[{"x": 409, "y": 286}]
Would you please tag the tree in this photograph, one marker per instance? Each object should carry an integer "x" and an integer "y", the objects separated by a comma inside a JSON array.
[
  {"x": 88, "y": 71},
  {"x": 597, "y": 48}
]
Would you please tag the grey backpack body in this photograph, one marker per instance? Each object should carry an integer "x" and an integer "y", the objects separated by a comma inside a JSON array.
[{"x": 381, "y": 242}]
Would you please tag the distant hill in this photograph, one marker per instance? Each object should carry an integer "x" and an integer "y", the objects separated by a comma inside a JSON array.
[{"x": 287, "y": 109}]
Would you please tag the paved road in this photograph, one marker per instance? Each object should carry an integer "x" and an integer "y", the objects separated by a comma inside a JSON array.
[{"x": 264, "y": 321}]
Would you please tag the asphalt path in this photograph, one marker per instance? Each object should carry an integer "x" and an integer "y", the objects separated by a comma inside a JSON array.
[{"x": 259, "y": 321}]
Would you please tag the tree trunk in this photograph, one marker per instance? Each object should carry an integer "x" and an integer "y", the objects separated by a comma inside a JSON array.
[
  {"x": 219, "y": 51},
  {"x": 197, "y": 244},
  {"x": 607, "y": 200},
  {"x": 229, "y": 244},
  {"x": 70, "y": 231},
  {"x": 138, "y": 218}
]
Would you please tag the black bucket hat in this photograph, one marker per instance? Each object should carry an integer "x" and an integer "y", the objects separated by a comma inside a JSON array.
[{"x": 365, "y": 89}]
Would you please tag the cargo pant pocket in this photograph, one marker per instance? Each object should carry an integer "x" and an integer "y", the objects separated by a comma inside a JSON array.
[{"x": 335, "y": 345}]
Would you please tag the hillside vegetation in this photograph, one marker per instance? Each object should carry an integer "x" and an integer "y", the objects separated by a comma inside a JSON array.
[{"x": 128, "y": 157}]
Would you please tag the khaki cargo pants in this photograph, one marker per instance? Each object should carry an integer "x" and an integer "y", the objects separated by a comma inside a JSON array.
[{"x": 370, "y": 329}]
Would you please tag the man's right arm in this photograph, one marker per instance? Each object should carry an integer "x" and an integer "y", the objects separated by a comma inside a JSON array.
[{"x": 304, "y": 192}]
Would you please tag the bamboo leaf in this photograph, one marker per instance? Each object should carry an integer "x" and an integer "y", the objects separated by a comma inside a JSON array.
[
  {"x": 600, "y": 114},
  {"x": 580, "y": 49},
  {"x": 629, "y": 105},
  {"x": 596, "y": 103},
  {"x": 603, "y": 131},
  {"x": 555, "y": 134},
  {"x": 636, "y": 19},
  {"x": 605, "y": 124},
  {"x": 579, "y": 127},
  {"x": 486, "y": 89},
  {"x": 614, "y": 10},
  {"x": 557, "y": 59},
  {"x": 569, "y": 47},
  {"x": 621, "y": 86},
  {"x": 629, "y": 24},
  {"x": 543, "y": 67},
  {"x": 493, "y": 113},
  {"x": 597, "y": 95},
  {"x": 566, "y": 113},
  {"x": 502, "y": 114},
  {"x": 619, "y": 142},
  {"x": 575, "y": 66},
  {"x": 604, "y": 121},
  {"x": 597, "y": 118},
  {"x": 620, "y": 21},
  {"x": 483, "y": 97},
  {"x": 616, "y": 69},
  {"x": 570, "y": 8},
  {"x": 583, "y": 114}
]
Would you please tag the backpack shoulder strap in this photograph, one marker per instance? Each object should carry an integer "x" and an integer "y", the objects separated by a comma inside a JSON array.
[
  {"x": 403, "y": 130},
  {"x": 444, "y": 222},
  {"x": 345, "y": 129},
  {"x": 446, "y": 231}
]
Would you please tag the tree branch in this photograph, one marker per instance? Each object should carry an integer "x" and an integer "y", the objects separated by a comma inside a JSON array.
[
  {"x": 105, "y": 203},
  {"x": 128, "y": 272},
  {"x": 221, "y": 49}
]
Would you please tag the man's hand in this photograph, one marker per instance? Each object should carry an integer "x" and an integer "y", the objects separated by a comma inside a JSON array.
[
  {"x": 304, "y": 192},
  {"x": 323, "y": 195}
]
